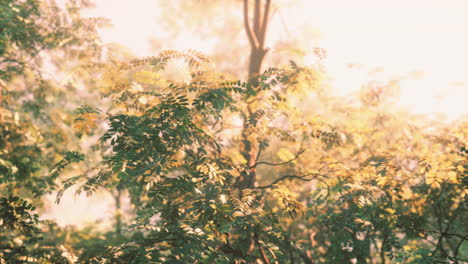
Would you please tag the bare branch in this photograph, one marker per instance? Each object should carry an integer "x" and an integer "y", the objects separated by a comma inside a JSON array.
[
  {"x": 252, "y": 39},
  {"x": 256, "y": 20},
  {"x": 442, "y": 233},
  {"x": 258, "y": 155},
  {"x": 281, "y": 163},
  {"x": 455, "y": 253},
  {"x": 264, "y": 25},
  {"x": 299, "y": 177}
]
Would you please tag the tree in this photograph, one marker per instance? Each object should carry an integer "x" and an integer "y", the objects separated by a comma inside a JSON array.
[
  {"x": 372, "y": 194},
  {"x": 166, "y": 150},
  {"x": 256, "y": 35},
  {"x": 225, "y": 39},
  {"x": 33, "y": 133}
]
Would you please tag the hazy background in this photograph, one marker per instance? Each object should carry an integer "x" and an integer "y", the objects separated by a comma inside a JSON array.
[{"x": 426, "y": 37}]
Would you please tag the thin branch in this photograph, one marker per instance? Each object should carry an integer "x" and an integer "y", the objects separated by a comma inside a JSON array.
[
  {"x": 251, "y": 247},
  {"x": 221, "y": 126},
  {"x": 256, "y": 20},
  {"x": 261, "y": 249},
  {"x": 299, "y": 177},
  {"x": 439, "y": 245},
  {"x": 283, "y": 23},
  {"x": 328, "y": 164},
  {"x": 382, "y": 249},
  {"x": 455, "y": 254},
  {"x": 252, "y": 39},
  {"x": 259, "y": 152},
  {"x": 301, "y": 150},
  {"x": 273, "y": 254},
  {"x": 281, "y": 163},
  {"x": 291, "y": 257},
  {"x": 265, "y": 22},
  {"x": 442, "y": 233}
]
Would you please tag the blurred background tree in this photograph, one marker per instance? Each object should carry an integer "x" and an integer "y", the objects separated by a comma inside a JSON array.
[{"x": 40, "y": 41}]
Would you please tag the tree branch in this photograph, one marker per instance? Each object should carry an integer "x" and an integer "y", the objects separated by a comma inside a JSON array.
[
  {"x": 261, "y": 249},
  {"x": 382, "y": 249},
  {"x": 299, "y": 177},
  {"x": 442, "y": 233},
  {"x": 281, "y": 163},
  {"x": 455, "y": 253},
  {"x": 256, "y": 20},
  {"x": 252, "y": 39},
  {"x": 265, "y": 22}
]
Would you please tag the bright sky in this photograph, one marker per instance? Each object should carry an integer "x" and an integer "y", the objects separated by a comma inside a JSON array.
[{"x": 401, "y": 36}]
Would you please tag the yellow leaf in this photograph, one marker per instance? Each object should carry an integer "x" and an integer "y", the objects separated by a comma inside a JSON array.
[
  {"x": 285, "y": 154},
  {"x": 85, "y": 123},
  {"x": 464, "y": 193},
  {"x": 381, "y": 181},
  {"x": 238, "y": 213},
  {"x": 430, "y": 180},
  {"x": 452, "y": 176},
  {"x": 237, "y": 157},
  {"x": 435, "y": 185},
  {"x": 407, "y": 247},
  {"x": 407, "y": 193}
]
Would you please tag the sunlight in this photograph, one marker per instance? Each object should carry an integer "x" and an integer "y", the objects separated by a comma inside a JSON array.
[
  {"x": 134, "y": 22},
  {"x": 80, "y": 210},
  {"x": 233, "y": 131},
  {"x": 399, "y": 36},
  {"x": 189, "y": 40}
]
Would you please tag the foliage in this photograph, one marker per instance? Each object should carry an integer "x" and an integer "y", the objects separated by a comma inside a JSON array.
[
  {"x": 218, "y": 170},
  {"x": 370, "y": 194},
  {"x": 34, "y": 134}
]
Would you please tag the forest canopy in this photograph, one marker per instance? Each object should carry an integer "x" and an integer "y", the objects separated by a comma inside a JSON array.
[{"x": 245, "y": 155}]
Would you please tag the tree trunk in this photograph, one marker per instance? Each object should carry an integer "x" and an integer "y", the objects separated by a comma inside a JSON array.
[
  {"x": 250, "y": 153},
  {"x": 255, "y": 61},
  {"x": 256, "y": 35}
]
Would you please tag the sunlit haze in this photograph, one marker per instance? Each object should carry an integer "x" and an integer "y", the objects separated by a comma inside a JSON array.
[{"x": 425, "y": 37}]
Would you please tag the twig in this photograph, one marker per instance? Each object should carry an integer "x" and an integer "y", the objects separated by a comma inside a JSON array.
[
  {"x": 301, "y": 150},
  {"x": 281, "y": 163},
  {"x": 455, "y": 254},
  {"x": 443, "y": 233},
  {"x": 299, "y": 177}
]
